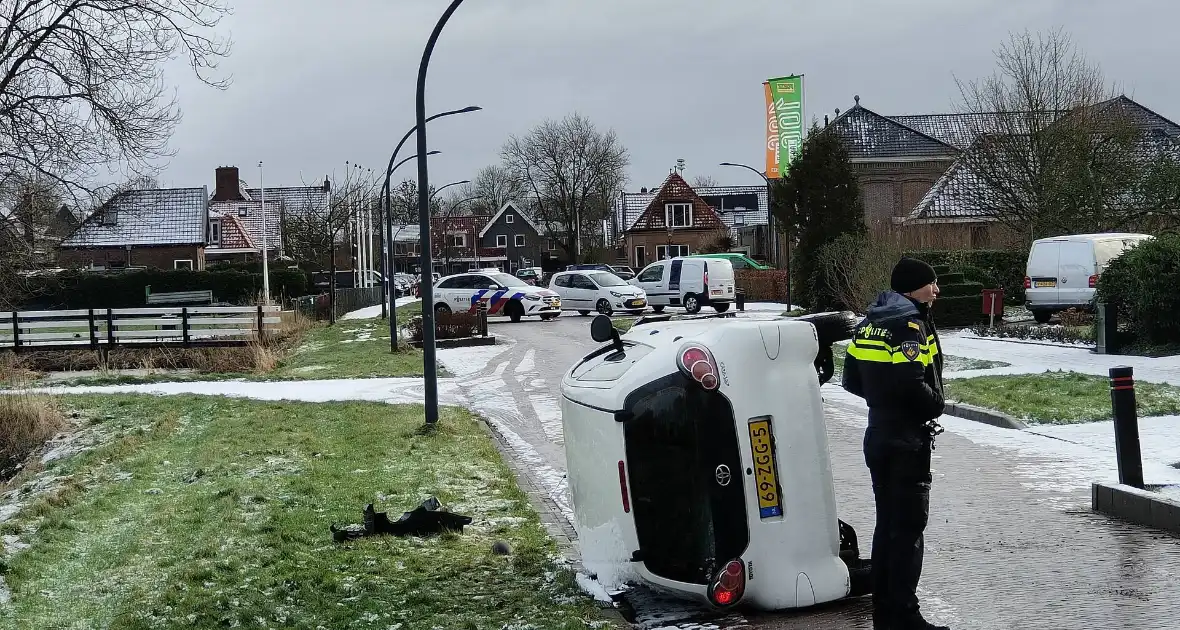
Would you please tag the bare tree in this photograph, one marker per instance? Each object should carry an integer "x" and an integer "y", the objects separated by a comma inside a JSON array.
[
  {"x": 316, "y": 233},
  {"x": 705, "y": 181},
  {"x": 1054, "y": 151},
  {"x": 572, "y": 173},
  {"x": 81, "y": 81},
  {"x": 492, "y": 187}
]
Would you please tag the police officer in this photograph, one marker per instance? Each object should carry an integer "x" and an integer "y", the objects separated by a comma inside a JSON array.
[{"x": 895, "y": 363}]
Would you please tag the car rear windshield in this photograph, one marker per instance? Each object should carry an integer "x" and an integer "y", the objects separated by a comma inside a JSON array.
[{"x": 677, "y": 438}]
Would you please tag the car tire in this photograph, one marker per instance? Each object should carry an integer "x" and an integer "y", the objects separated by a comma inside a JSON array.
[
  {"x": 603, "y": 307},
  {"x": 692, "y": 304},
  {"x": 1042, "y": 317},
  {"x": 639, "y": 312},
  {"x": 442, "y": 309},
  {"x": 514, "y": 310},
  {"x": 657, "y": 309},
  {"x": 833, "y": 327},
  {"x": 721, "y": 307},
  {"x": 548, "y": 317},
  {"x": 583, "y": 313}
]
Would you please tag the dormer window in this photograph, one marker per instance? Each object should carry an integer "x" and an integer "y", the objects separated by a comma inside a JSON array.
[
  {"x": 215, "y": 232},
  {"x": 243, "y": 211},
  {"x": 678, "y": 215},
  {"x": 110, "y": 217}
]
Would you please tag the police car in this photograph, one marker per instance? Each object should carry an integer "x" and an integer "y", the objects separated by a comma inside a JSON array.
[
  {"x": 501, "y": 293},
  {"x": 697, "y": 459}
]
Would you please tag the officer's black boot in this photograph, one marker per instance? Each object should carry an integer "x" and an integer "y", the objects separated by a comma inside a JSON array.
[{"x": 916, "y": 623}]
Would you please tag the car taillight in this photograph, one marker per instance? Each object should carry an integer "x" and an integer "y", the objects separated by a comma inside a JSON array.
[
  {"x": 623, "y": 486},
  {"x": 1027, "y": 282},
  {"x": 729, "y": 584},
  {"x": 1093, "y": 281},
  {"x": 697, "y": 363}
]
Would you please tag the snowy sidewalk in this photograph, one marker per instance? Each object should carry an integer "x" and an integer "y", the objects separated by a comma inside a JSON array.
[{"x": 369, "y": 312}]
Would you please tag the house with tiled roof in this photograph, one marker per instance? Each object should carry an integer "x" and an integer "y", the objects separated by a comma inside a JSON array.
[
  {"x": 915, "y": 170},
  {"x": 163, "y": 228},
  {"x": 231, "y": 197},
  {"x": 676, "y": 221}
]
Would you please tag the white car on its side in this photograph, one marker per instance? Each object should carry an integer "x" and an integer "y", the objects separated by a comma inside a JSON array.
[
  {"x": 697, "y": 458},
  {"x": 594, "y": 290},
  {"x": 503, "y": 294}
]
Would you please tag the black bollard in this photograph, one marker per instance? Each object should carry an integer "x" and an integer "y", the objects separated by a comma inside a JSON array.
[
  {"x": 1126, "y": 426},
  {"x": 740, "y": 298}
]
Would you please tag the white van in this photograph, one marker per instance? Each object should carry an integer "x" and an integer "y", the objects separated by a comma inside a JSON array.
[
  {"x": 1062, "y": 272},
  {"x": 688, "y": 282}
]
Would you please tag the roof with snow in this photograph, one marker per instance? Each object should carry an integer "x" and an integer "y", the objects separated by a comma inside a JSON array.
[
  {"x": 676, "y": 190},
  {"x": 737, "y": 206},
  {"x": 166, "y": 216},
  {"x": 293, "y": 199}
]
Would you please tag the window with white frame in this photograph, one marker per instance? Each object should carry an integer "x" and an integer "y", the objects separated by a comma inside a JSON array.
[
  {"x": 215, "y": 232},
  {"x": 457, "y": 239},
  {"x": 552, "y": 245},
  {"x": 501, "y": 240},
  {"x": 678, "y": 215},
  {"x": 508, "y": 218},
  {"x": 182, "y": 264},
  {"x": 519, "y": 240},
  {"x": 671, "y": 251},
  {"x": 243, "y": 211}
]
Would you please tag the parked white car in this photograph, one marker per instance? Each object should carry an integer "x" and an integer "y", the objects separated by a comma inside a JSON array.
[
  {"x": 1062, "y": 272},
  {"x": 503, "y": 294},
  {"x": 688, "y": 282},
  {"x": 698, "y": 462},
  {"x": 594, "y": 290}
]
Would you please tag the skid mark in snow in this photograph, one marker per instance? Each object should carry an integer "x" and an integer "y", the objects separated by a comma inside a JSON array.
[
  {"x": 549, "y": 414},
  {"x": 528, "y": 365}
]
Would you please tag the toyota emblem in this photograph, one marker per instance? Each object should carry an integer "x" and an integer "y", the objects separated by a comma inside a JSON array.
[{"x": 722, "y": 475}]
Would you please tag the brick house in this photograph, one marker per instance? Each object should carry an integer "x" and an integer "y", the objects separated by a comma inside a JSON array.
[
  {"x": 511, "y": 230},
  {"x": 676, "y": 222},
  {"x": 231, "y": 196},
  {"x": 162, "y": 228},
  {"x": 916, "y": 183}
]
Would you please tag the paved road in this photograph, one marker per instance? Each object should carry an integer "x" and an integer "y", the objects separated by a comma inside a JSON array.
[{"x": 1007, "y": 546}]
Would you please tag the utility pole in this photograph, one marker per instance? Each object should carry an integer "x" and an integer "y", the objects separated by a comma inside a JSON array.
[{"x": 265, "y": 235}]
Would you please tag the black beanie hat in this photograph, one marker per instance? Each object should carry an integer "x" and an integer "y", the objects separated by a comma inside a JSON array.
[{"x": 911, "y": 274}]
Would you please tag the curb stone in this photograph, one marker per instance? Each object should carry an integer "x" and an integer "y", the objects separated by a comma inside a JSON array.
[
  {"x": 1141, "y": 507},
  {"x": 986, "y": 416},
  {"x": 556, "y": 524}
]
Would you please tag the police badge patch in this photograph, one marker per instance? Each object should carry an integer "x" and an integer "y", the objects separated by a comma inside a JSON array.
[{"x": 910, "y": 350}]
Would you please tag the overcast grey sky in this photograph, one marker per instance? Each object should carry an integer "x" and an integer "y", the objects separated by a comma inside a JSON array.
[{"x": 319, "y": 82}]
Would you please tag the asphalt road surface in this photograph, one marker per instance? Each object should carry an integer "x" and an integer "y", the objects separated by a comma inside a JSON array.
[{"x": 1009, "y": 544}]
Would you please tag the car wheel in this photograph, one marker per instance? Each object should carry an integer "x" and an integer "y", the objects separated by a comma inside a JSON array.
[
  {"x": 831, "y": 328},
  {"x": 583, "y": 313},
  {"x": 1042, "y": 317},
  {"x": 515, "y": 311},
  {"x": 657, "y": 309},
  {"x": 442, "y": 309},
  {"x": 639, "y": 312},
  {"x": 692, "y": 304},
  {"x": 603, "y": 307},
  {"x": 548, "y": 317},
  {"x": 722, "y": 307}
]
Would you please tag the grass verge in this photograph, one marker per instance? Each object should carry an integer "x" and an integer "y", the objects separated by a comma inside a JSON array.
[
  {"x": 213, "y": 512},
  {"x": 1058, "y": 397}
]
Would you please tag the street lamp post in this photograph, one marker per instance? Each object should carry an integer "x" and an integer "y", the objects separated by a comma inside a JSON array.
[
  {"x": 388, "y": 265},
  {"x": 769, "y": 218},
  {"x": 429, "y": 360},
  {"x": 386, "y": 188},
  {"x": 265, "y": 250}
]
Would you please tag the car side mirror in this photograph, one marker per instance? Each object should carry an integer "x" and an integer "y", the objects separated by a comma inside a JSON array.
[{"x": 602, "y": 330}]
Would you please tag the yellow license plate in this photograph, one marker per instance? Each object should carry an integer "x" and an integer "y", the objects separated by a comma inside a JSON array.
[
  {"x": 770, "y": 501},
  {"x": 1045, "y": 283}
]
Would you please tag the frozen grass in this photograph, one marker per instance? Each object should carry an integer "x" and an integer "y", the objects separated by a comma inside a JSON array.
[
  {"x": 214, "y": 513},
  {"x": 1058, "y": 397}
]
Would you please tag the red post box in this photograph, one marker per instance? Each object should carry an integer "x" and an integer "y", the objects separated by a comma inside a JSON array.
[{"x": 993, "y": 304}]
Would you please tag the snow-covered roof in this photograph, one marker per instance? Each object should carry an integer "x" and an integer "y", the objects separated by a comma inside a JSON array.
[
  {"x": 738, "y": 206},
  {"x": 166, "y": 216},
  {"x": 293, "y": 199},
  {"x": 249, "y": 215}
]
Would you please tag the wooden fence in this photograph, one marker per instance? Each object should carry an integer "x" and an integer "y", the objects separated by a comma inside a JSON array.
[{"x": 139, "y": 327}]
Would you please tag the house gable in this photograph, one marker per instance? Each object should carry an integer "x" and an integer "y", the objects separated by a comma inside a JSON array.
[
  {"x": 520, "y": 222},
  {"x": 677, "y": 191},
  {"x": 871, "y": 136}
]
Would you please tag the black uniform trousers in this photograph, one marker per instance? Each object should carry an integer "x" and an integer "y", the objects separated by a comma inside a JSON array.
[{"x": 899, "y": 463}]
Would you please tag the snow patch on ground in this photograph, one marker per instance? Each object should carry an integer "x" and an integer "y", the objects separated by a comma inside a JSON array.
[
  {"x": 593, "y": 588},
  {"x": 369, "y": 312},
  {"x": 549, "y": 414}
]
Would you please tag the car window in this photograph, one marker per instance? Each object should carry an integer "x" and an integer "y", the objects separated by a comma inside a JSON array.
[
  {"x": 579, "y": 281},
  {"x": 457, "y": 282},
  {"x": 605, "y": 279},
  {"x": 562, "y": 281},
  {"x": 652, "y": 274},
  {"x": 738, "y": 263},
  {"x": 508, "y": 281}
]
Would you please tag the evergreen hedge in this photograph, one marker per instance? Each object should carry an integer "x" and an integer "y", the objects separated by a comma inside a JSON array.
[
  {"x": 1143, "y": 283},
  {"x": 84, "y": 290}
]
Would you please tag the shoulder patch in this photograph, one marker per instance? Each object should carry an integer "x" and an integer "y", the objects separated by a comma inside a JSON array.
[
  {"x": 914, "y": 325},
  {"x": 910, "y": 350}
]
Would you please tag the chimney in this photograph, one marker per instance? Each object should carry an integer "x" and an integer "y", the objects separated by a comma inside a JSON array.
[
  {"x": 227, "y": 184},
  {"x": 327, "y": 184}
]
